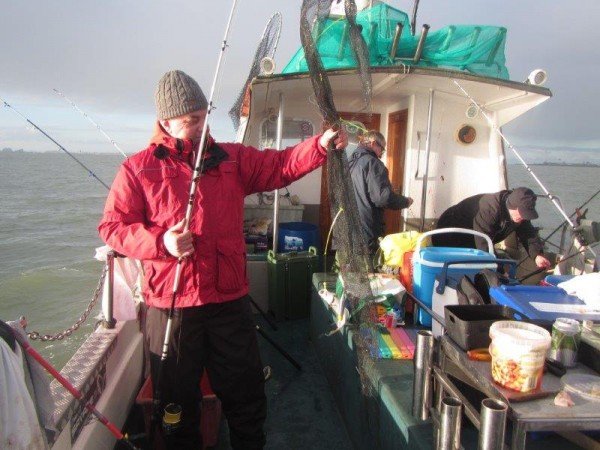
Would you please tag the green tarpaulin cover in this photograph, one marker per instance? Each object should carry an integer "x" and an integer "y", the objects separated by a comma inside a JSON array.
[{"x": 475, "y": 49}]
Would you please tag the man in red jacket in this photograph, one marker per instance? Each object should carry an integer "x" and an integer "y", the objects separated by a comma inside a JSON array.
[{"x": 143, "y": 218}]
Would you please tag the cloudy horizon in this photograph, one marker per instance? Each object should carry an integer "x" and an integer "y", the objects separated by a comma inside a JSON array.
[{"x": 108, "y": 56}]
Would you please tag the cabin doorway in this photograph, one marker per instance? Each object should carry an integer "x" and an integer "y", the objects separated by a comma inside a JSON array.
[
  {"x": 356, "y": 124},
  {"x": 394, "y": 160}
]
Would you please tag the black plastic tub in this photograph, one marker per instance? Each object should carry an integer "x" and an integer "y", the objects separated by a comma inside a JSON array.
[{"x": 469, "y": 325}]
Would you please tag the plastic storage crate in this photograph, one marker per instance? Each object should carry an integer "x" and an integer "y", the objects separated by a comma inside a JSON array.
[
  {"x": 428, "y": 262},
  {"x": 544, "y": 303},
  {"x": 290, "y": 276},
  {"x": 469, "y": 325}
]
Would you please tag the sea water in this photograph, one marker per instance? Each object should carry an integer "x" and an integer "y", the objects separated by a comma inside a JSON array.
[{"x": 50, "y": 208}]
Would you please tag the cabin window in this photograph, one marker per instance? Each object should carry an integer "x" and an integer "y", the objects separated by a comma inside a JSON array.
[
  {"x": 466, "y": 134},
  {"x": 294, "y": 131}
]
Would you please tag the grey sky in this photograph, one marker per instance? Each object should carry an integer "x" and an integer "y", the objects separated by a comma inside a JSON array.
[{"x": 107, "y": 56}]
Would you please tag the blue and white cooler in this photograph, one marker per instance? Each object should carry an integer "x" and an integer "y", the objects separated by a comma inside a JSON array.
[{"x": 428, "y": 262}]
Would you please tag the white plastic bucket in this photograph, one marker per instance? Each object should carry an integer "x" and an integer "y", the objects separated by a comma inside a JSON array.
[{"x": 518, "y": 352}]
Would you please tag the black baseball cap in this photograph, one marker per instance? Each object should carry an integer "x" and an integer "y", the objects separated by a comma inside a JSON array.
[{"x": 523, "y": 199}]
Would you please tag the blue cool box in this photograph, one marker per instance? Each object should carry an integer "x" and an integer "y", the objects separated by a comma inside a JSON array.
[
  {"x": 520, "y": 297},
  {"x": 429, "y": 263}
]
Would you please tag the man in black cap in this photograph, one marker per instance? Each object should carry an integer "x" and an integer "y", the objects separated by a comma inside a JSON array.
[{"x": 496, "y": 215}]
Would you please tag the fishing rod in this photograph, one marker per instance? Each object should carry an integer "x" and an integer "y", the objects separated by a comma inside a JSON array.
[
  {"x": 111, "y": 140},
  {"x": 552, "y": 198},
  {"x": 89, "y": 171},
  {"x": 542, "y": 269},
  {"x": 583, "y": 205},
  {"x": 74, "y": 391},
  {"x": 198, "y": 165}
]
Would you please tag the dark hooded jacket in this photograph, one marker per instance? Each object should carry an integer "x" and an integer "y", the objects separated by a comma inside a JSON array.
[
  {"x": 374, "y": 194},
  {"x": 488, "y": 214}
]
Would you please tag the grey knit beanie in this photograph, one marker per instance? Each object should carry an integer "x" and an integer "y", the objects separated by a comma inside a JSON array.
[{"x": 178, "y": 94}]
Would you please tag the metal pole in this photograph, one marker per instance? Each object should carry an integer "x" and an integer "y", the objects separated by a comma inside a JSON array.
[
  {"x": 421, "y": 44},
  {"x": 108, "y": 294},
  {"x": 423, "y": 381},
  {"x": 450, "y": 422},
  {"x": 552, "y": 198},
  {"x": 276, "y": 201},
  {"x": 427, "y": 152},
  {"x": 493, "y": 424},
  {"x": 397, "y": 34}
]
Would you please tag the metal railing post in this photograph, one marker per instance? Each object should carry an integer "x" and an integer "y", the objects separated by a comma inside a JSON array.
[
  {"x": 493, "y": 424},
  {"x": 107, "y": 295},
  {"x": 450, "y": 422},
  {"x": 423, "y": 380}
]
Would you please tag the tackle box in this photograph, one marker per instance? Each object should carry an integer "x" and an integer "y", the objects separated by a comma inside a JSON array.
[
  {"x": 543, "y": 303},
  {"x": 290, "y": 276}
]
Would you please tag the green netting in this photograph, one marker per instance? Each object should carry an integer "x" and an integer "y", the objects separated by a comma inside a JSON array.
[{"x": 470, "y": 48}]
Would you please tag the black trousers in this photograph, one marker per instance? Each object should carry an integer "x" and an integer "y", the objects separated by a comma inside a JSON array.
[{"x": 221, "y": 338}]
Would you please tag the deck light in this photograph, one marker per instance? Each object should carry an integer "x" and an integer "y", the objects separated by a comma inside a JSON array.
[
  {"x": 267, "y": 66},
  {"x": 537, "y": 77}
]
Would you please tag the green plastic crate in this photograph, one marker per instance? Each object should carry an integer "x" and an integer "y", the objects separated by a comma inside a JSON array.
[{"x": 290, "y": 276}]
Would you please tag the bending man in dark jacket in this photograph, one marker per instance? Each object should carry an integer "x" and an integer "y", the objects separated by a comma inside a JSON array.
[
  {"x": 496, "y": 215},
  {"x": 213, "y": 326},
  {"x": 372, "y": 187}
]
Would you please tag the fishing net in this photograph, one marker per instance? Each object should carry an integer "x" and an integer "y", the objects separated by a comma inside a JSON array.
[
  {"x": 266, "y": 48},
  {"x": 352, "y": 253},
  {"x": 475, "y": 49}
]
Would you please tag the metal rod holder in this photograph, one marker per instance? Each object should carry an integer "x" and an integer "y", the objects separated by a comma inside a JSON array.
[
  {"x": 450, "y": 422},
  {"x": 493, "y": 424},
  {"x": 397, "y": 34},
  {"x": 423, "y": 380},
  {"x": 421, "y": 44},
  {"x": 109, "y": 321}
]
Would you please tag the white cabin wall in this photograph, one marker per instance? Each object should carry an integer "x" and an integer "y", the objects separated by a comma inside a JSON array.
[
  {"x": 307, "y": 188},
  {"x": 456, "y": 170}
]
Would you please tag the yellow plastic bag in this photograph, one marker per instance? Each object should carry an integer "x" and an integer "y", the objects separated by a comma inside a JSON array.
[{"x": 394, "y": 246}]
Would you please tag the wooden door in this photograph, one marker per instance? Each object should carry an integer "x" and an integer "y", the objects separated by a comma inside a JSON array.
[
  {"x": 369, "y": 122},
  {"x": 395, "y": 155}
]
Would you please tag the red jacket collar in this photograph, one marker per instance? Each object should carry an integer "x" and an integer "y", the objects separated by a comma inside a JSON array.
[{"x": 182, "y": 147}]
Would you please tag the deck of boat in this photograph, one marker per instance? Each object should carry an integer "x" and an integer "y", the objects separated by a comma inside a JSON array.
[{"x": 322, "y": 405}]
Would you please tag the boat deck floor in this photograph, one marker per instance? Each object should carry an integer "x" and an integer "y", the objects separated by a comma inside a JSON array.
[{"x": 301, "y": 409}]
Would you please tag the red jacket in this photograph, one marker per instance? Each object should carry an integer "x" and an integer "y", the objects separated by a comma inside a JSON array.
[{"x": 150, "y": 194}]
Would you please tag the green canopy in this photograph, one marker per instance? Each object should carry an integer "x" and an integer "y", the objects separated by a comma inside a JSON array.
[{"x": 475, "y": 49}]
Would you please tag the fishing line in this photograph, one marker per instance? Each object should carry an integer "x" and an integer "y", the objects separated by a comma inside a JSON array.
[
  {"x": 551, "y": 197},
  {"x": 194, "y": 181},
  {"x": 111, "y": 140},
  {"x": 573, "y": 214},
  {"x": 89, "y": 171},
  {"x": 542, "y": 269}
]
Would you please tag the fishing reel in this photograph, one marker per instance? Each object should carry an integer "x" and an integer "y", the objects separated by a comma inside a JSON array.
[{"x": 171, "y": 421}]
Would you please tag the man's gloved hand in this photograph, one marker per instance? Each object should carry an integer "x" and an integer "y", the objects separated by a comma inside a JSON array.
[
  {"x": 542, "y": 262},
  {"x": 178, "y": 243},
  {"x": 338, "y": 137}
]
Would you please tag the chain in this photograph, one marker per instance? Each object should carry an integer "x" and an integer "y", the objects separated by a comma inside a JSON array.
[{"x": 34, "y": 335}]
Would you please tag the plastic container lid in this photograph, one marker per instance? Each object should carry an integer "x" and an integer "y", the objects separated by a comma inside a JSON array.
[
  {"x": 586, "y": 386},
  {"x": 520, "y": 334}
]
